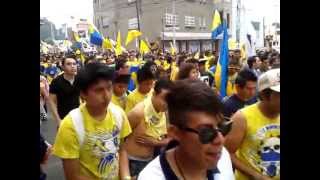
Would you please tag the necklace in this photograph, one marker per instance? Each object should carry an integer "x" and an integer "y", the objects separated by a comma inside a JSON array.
[{"x": 175, "y": 159}]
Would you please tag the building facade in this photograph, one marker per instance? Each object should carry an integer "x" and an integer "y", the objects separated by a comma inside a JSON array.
[{"x": 192, "y": 20}]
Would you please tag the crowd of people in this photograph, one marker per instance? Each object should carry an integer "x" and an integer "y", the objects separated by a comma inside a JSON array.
[{"x": 160, "y": 115}]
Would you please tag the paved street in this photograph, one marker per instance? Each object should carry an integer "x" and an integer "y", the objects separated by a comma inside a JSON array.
[{"x": 54, "y": 167}]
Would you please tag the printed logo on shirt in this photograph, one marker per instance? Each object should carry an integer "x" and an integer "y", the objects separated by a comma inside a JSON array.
[
  {"x": 104, "y": 146},
  {"x": 268, "y": 150}
]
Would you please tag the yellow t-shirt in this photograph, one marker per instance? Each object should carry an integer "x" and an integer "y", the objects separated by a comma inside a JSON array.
[
  {"x": 155, "y": 122},
  {"x": 98, "y": 155},
  {"x": 119, "y": 101},
  {"x": 260, "y": 149},
  {"x": 134, "y": 98}
]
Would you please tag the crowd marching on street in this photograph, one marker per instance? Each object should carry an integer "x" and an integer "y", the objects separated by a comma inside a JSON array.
[
  {"x": 155, "y": 114},
  {"x": 161, "y": 115}
]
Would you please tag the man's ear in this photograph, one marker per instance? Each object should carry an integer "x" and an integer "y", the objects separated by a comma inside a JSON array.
[
  {"x": 83, "y": 95},
  {"x": 174, "y": 132}
]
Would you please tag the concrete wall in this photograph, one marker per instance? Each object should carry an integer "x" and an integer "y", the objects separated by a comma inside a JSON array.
[{"x": 151, "y": 14}]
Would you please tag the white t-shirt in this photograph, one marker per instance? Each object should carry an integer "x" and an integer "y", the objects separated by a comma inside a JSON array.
[{"x": 154, "y": 171}]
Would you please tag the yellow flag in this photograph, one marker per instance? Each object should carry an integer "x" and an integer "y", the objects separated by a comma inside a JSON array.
[
  {"x": 216, "y": 21},
  {"x": 132, "y": 34},
  {"x": 118, "y": 49},
  {"x": 172, "y": 49},
  {"x": 144, "y": 47},
  {"x": 107, "y": 44}
]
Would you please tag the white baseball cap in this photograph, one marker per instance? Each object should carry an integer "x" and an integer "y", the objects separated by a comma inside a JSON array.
[{"x": 270, "y": 79}]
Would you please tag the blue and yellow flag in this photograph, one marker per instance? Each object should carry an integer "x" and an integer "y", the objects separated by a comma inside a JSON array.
[
  {"x": 216, "y": 25},
  {"x": 95, "y": 37},
  {"x": 221, "y": 74}
]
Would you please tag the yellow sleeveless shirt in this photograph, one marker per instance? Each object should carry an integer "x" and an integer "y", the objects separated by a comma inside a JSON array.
[
  {"x": 155, "y": 122},
  {"x": 260, "y": 149}
]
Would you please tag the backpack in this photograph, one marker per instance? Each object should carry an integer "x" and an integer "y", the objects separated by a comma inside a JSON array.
[{"x": 77, "y": 120}]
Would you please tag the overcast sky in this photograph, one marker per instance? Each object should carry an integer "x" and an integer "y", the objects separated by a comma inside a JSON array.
[{"x": 59, "y": 11}]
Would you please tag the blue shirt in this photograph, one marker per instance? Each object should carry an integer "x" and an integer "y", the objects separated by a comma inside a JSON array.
[{"x": 233, "y": 103}]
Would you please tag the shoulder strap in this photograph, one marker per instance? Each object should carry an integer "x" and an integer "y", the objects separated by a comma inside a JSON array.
[{"x": 77, "y": 120}]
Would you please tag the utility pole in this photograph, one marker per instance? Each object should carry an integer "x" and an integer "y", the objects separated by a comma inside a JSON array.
[
  {"x": 51, "y": 31},
  {"x": 174, "y": 24},
  {"x": 162, "y": 21},
  {"x": 138, "y": 18},
  {"x": 264, "y": 33},
  {"x": 238, "y": 22}
]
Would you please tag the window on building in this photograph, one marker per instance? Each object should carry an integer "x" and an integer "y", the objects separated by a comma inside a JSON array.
[
  {"x": 189, "y": 21},
  {"x": 105, "y": 22},
  {"x": 202, "y": 22},
  {"x": 133, "y": 23},
  {"x": 203, "y": 1},
  {"x": 171, "y": 19},
  {"x": 228, "y": 20}
]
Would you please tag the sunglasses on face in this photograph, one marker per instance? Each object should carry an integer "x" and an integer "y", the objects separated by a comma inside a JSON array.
[{"x": 208, "y": 134}]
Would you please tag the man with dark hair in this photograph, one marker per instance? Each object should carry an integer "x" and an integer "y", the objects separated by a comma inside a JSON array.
[
  {"x": 122, "y": 66},
  {"x": 254, "y": 141},
  {"x": 146, "y": 76},
  {"x": 120, "y": 89},
  {"x": 64, "y": 96},
  {"x": 254, "y": 65},
  {"x": 148, "y": 123},
  {"x": 264, "y": 67},
  {"x": 245, "y": 85},
  {"x": 90, "y": 139},
  {"x": 197, "y": 127}
]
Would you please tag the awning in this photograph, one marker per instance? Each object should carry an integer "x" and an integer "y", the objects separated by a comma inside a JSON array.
[{"x": 188, "y": 36}]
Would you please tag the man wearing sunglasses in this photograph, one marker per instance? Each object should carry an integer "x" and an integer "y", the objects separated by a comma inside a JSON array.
[
  {"x": 254, "y": 141},
  {"x": 197, "y": 127}
]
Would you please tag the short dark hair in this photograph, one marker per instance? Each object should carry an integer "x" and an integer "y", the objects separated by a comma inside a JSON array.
[
  {"x": 162, "y": 84},
  {"x": 90, "y": 58},
  {"x": 185, "y": 70},
  {"x": 69, "y": 56},
  {"x": 148, "y": 71},
  {"x": 251, "y": 60},
  {"x": 91, "y": 73},
  {"x": 244, "y": 76},
  {"x": 188, "y": 96},
  {"x": 193, "y": 61},
  {"x": 121, "y": 78},
  {"x": 264, "y": 56},
  {"x": 120, "y": 63}
]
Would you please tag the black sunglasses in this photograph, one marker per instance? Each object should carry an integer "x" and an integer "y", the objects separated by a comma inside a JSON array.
[{"x": 208, "y": 134}]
